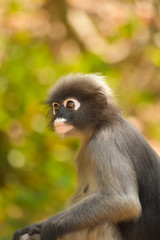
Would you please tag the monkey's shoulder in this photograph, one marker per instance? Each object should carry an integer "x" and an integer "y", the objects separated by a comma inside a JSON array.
[
  {"x": 128, "y": 137},
  {"x": 122, "y": 138}
]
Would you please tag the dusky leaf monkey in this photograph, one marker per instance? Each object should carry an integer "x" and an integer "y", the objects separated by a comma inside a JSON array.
[{"x": 118, "y": 193}]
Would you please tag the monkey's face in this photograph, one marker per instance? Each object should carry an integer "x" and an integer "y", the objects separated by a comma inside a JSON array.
[
  {"x": 72, "y": 116},
  {"x": 64, "y": 112}
]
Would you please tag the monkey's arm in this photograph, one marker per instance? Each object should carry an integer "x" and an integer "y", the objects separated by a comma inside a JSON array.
[
  {"x": 92, "y": 210},
  {"x": 116, "y": 201}
]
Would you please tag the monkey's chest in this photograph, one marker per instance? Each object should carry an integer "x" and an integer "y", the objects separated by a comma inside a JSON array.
[
  {"x": 86, "y": 176},
  {"x": 87, "y": 184}
]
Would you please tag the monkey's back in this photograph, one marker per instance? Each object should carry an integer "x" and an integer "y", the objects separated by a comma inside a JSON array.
[{"x": 147, "y": 166}]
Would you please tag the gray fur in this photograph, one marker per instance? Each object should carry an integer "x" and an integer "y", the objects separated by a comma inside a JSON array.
[{"x": 118, "y": 172}]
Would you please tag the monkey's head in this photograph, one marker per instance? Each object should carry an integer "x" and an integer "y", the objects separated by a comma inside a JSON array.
[{"x": 79, "y": 104}]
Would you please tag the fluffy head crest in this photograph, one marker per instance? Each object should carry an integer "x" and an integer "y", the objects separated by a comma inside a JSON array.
[{"x": 87, "y": 82}]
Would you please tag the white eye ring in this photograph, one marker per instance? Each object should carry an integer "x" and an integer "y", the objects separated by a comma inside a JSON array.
[
  {"x": 55, "y": 106},
  {"x": 74, "y": 103}
]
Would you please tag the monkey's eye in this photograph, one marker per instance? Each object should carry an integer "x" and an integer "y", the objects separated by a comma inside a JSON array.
[
  {"x": 55, "y": 107},
  {"x": 71, "y": 104}
]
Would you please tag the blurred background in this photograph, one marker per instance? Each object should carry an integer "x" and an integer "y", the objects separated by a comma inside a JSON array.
[{"x": 41, "y": 40}]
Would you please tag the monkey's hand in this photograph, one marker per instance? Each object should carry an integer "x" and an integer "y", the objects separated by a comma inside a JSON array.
[
  {"x": 26, "y": 236},
  {"x": 30, "y": 230}
]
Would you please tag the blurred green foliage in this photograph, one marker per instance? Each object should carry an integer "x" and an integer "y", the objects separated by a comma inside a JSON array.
[{"x": 37, "y": 171}]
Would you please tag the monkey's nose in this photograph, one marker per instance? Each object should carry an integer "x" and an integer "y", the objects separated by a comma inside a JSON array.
[{"x": 60, "y": 113}]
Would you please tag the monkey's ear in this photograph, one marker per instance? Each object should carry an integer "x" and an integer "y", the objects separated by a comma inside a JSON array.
[
  {"x": 102, "y": 96},
  {"x": 100, "y": 92}
]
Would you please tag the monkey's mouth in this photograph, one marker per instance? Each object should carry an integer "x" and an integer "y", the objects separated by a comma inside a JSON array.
[{"x": 62, "y": 128}]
